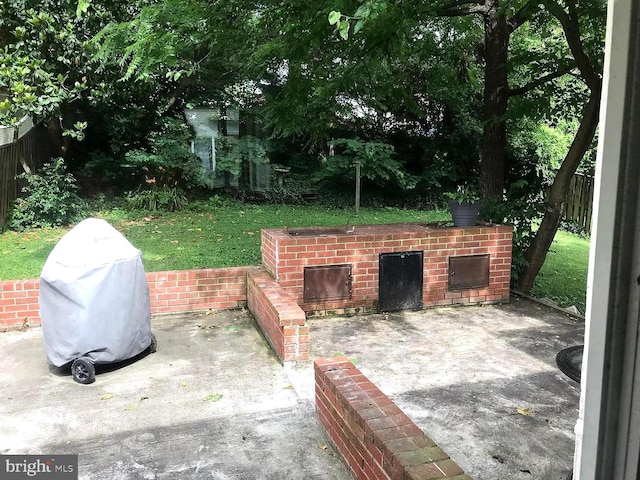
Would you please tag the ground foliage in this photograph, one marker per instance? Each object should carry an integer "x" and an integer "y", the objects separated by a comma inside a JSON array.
[{"x": 50, "y": 199}]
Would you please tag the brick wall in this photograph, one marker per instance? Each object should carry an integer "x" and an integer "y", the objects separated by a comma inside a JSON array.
[
  {"x": 374, "y": 439},
  {"x": 175, "y": 291},
  {"x": 281, "y": 319},
  {"x": 19, "y": 303},
  {"x": 286, "y": 256},
  {"x": 192, "y": 290}
]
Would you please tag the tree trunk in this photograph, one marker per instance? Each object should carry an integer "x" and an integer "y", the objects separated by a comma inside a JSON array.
[
  {"x": 496, "y": 96},
  {"x": 556, "y": 198}
]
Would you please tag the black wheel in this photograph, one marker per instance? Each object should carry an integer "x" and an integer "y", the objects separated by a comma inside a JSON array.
[
  {"x": 569, "y": 361},
  {"x": 83, "y": 371},
  {"x": 153, "y": 347}
]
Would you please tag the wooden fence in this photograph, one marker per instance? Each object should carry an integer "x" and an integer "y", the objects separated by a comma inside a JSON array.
[
  {"x": 28, "y": 152},
  {"x": 579, "y": 205}
]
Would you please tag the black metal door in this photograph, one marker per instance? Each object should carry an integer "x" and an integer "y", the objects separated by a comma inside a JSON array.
[{"x": 400, "y": 285}]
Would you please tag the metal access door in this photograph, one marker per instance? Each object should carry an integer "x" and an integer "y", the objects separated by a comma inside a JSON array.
[
  {"x": 468, "y": 271},
  {"x": 400, "y": 285},
  {"x": 327, "y": 282}
]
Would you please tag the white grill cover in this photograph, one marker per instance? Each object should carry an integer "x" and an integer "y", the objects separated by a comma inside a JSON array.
[{"x": 94, "y": 297}]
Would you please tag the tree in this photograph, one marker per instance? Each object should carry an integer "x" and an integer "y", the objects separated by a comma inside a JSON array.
[
  {"x": 588, "y": 59},
  {"x": 29, "y": 80},
  {"x": 191, "y": 51},
  {"x": 501, "y": 19},
  {"x": 276, "y": 58},
  {"x": 46, "y": 69},
  {"x": 318, "y": 88}
]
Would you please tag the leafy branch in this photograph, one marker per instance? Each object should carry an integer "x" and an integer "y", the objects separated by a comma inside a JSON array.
[{"x": 541, "y": 80}]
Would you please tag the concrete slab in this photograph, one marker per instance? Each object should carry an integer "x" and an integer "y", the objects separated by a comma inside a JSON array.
[
  {"x": 481, "y": 381},
  {"x": 214, "y": 402}
]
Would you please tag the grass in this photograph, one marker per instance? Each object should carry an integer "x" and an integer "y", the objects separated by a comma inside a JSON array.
[
  {"x": 224, "y": 233},
  {"x": 563, "y": 277},
  {"x": 208, "y": 235}
]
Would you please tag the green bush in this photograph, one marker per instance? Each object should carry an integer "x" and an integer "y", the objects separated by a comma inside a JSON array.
[
  {"x": 521, "y": 207},
  {"x": 104, "y": 171},
  {"x": 233, "y": 153},
  {"x": 157, "y": 198},
  {"x": 166, "y": 163},
  {"x": 51, "y": 199},
  {"x": 377, "y": 161}
]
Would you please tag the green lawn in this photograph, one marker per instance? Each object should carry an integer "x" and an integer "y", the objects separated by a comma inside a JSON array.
[
  {"x": 563, "y": 277},
  {"x": 218, "y": 234},
  {"x": 222, "y": 234}
]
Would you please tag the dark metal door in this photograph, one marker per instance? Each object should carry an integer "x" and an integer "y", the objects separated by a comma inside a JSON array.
[
  {"x": 327, "y": 282},
  {"x": 468, "y": 271},
  {"x": 400, "y": 285}
]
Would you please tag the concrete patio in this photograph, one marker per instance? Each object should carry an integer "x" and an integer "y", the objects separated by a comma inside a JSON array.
[{"x": 215, "y": 403}]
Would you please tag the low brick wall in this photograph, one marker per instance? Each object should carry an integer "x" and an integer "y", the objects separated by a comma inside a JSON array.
[
  {"x": 170, "y": 292},
  {"x": 19, "y": 303},
  {"x": 374, "y": 438},
  {"x": 281, "y": 319},
  {"x": 193, "y": 290}
]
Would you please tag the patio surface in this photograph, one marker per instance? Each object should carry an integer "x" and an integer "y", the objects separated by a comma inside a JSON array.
[{"x": 214, "y": 403}]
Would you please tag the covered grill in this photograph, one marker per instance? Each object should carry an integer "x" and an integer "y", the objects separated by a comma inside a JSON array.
[{"x": 94, "y": 300}]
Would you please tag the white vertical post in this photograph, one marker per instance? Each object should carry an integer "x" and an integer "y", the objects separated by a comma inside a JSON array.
[{"x": 608, "y": 427}]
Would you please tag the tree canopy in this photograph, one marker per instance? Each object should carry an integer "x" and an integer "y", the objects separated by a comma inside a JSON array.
[
  {"x": 504, "y": 91},
  {"x": 555, "y": 63}
]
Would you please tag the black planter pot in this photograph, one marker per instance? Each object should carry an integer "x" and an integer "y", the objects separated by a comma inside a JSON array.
[{"x": 464, "y": 214}]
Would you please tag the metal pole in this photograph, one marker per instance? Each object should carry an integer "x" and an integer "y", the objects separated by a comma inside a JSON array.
[{"x": 357, "y": 186}]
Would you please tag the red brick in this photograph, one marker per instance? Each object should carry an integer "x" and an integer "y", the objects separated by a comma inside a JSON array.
[
  {"x": 370, "y": 413},
  {"x": 374, "y": 450},
  {"x": 372, "y": 425}
]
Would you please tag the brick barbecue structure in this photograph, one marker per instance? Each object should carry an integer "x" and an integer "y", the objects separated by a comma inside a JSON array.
[
  {"x": 361, "y": 268},
  {"x": 340, "y": 269}
]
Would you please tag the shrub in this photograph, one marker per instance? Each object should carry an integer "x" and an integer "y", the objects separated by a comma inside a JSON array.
[
  {"x": 377, "y": 163},
  {"x": 157, "y": 198},
  {"x": 106, "y": 172},
  {"x": 521, "y": 207},
  {"x": 232, "y": 153},
  {"x": 166, "y": 162},
  {"x": 51, "y": 199}
]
